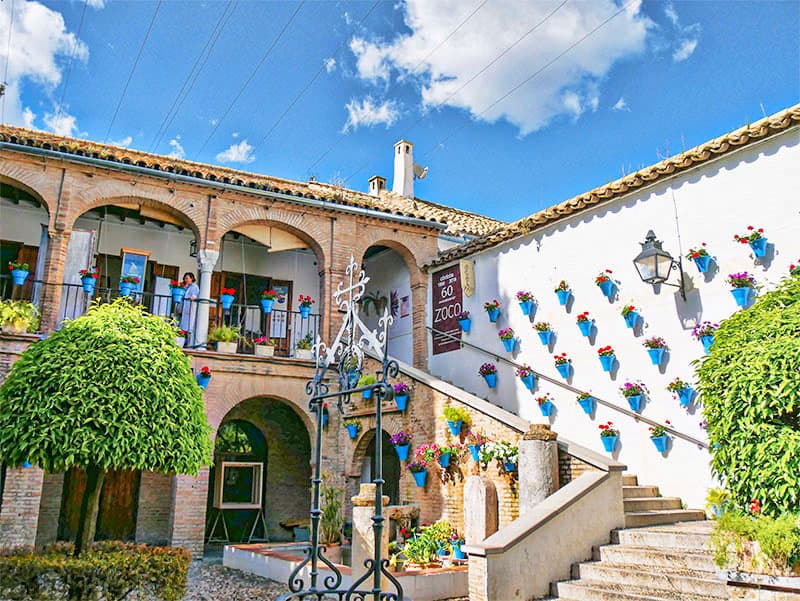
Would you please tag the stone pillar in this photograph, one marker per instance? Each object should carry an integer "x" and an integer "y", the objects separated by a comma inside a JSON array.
[
  {"x": 187, "y": 520},
  {"x": 363, "y": 534},
  {"x": 480, "y": 510},
  {"x": 538, "y": 466},
  {"x": 53, "y": 276},
  {"x": 206, "y": 259},
  {"x": 419, "y": 304},
  {"x": 19, "y": 513}
]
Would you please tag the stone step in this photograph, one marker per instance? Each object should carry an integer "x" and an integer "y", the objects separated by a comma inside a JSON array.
[
  {"x": 661, "y": 578},
  {"x": 668, "y": 516},
  {"x": 683, "y": 535},
  {"x": 601, "y": 591},
  {"x": 638, "y": 492},
  {"x": 680, "y": 559},
  {"x": 651, "y": 504},
  {"x": 630, "y": 480}
]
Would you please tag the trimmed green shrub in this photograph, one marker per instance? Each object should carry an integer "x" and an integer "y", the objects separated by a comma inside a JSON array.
[
  {"x": 750, "y": 387},
  {"x": 110, "y": 571}
]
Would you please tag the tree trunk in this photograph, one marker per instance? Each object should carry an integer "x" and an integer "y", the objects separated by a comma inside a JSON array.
[{"x": 87, "y": 523}]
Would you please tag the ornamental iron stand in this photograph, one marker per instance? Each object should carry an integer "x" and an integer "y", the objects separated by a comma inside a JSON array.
[{"x": 347, "y": 354}]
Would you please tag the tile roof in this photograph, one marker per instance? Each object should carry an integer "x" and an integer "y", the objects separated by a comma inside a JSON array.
[
  {"x": 698, "y": 155},
  {"x": 459, "y": 223}
]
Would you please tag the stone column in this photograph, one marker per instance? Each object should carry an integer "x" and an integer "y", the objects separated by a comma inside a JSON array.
[
  {"x": 53, "y": 276},
  {"x": 538, "y": 466},
  {"x": 363, "y": 534},
  {"x": 480, "y": 510},
  {"x": 206, "y": 259},
  {"x": 187, "y": 520}
]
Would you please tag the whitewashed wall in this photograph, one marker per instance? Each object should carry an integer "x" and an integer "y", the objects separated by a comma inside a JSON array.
[
  {"x": 758, "y": 186},
  {"x": 387, "y": 271}
]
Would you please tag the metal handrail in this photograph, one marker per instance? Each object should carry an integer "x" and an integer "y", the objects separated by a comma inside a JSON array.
[{"x": 572, "y": 389}]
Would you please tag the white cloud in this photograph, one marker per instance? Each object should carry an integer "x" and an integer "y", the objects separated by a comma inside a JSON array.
[
  {"x": 237, "y": 153},
  {"x": 124, "y": 142},
  {"x": 235, "y": 134},
  {"x": 61, "y": 124},
  {"x": 687, "y": 37},
  {"x": 685, "y": 50},
  {"x": 97, "y": 3},
  {"x": 621, "y": 105},
  {"x": 330, "y": 64},
  {"x": 177, "y": 148},
  {"x": 568, "y": 87},
  {"x": 671, "y": 13},
  {"x": 28, "y": 117},
  {"x": 367, "y": 112}
]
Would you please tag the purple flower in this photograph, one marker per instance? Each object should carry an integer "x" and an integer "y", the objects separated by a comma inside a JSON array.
[
  {"x": 401, "y": 388},
  {"x": 401, "y": 438}
]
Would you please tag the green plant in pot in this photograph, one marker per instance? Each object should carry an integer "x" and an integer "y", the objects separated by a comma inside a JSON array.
[
  {"x": 331, "y": 520},
  {"x": 366, "y": 380},
  {"x": 456, "y": 417},
  {"x": 226, "y": 337},
  {"x": 18, "y": 317}
]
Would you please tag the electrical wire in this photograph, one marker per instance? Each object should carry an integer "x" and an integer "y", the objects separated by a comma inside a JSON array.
[
  {"x": 8, "y": 59},
  {"x": 71, "y": 62},
  {"x": 133, "y": 70}
]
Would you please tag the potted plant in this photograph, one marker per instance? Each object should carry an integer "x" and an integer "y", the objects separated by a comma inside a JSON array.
[
  {"x": 545, "y": 332},
  {"x": 401, "y": 395},
  {"x": 658, "y": 434},
  {"x": 419, "y": 470},
  {"x": 475, "y": 440},
  {"x": 631, "y": 316},
  {"x": 350, "y": 367},
  {"x": 456, "y": 417},
  {"x": 655, "y": 348},
  {"x": 562, "y": 292},
  {"x": 331, "y": 520},
  {"x": 526, "y": 301},
  {"x": 324, "y": 414},
  {"x": 704, "y": 332},
  {"x": 717, "y": 501},
  {"x": 19, "y": 272},
  {"x": 489, "y": 373},
  {"x": 633, "y": 392},
  {"x": 456, "y": 540},
  {"x": 264, "y": 346},
  {"x": 507, "y": 336},
  {"x": 608, "y": 436},
  {"x": 584, "y": 323},
  {"x": 446, "y": 453},
  {"x": 427, "y": 453},
  {"x": 586, "y": 401},
  {"x": 178, "y": 290},
  {"x": 605, "y": 283},
  {"x": 305, "y": 306},
  {"x": 180, "y": 337},
  {"x": 700, "y": 257},
  {"x": 794, "y": 269},
  {"x": 88, "y": 280},
  {"x": 226, "y": 338},
  {"x": 401, "y": 443},
  {"x": 742, "y": 284},
  {"x": 545, "y": 404},
  {"x": 226, "y": 298},
  {"x": 18, "y": 317},
  {"x": 268, "y": 298},
  {"x": 204, "y": 377},
  {"x": 756, "y": 239},
  {"x": 464, "y": 321},
  {"x": 607, "y": 356},
  {"x": 525, "y": 373},
  {"x": 366, "y": 380},
  {"x": 505, "y": 453},
  {"x": 682, "y": 390},
  {"x": 127, "y": 283},
  {"x": 303, "y": 347},
  {"x": 563, "y": 364},
  {"x": 492, "y": 309},
  {"x": 353, "y": 426}
]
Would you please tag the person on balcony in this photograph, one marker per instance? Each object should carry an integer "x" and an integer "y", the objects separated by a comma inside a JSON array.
[{"x": 189, "y": 307}]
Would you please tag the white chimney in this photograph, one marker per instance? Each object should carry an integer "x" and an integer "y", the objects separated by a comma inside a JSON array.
[
  {"x": 403, "y": 169},
  {"x": 376, "y": 184}
]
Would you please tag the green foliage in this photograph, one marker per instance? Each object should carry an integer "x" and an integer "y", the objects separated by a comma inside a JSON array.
[
  {"x": 454, "y": 414},
  {"x": 717, "y": 499},
  {"x": 111, "y": 571},
  {"x": 110, "y": 389},
  {"x": 331, "y": 520},
  {"x": 750, "y": 384},
  {"x": 366, "y": 380},
  {"x": 306, "y": 342},
  {"x": 224, "y": 334},
  {"x": 423, "y": 547},
  {"x": 19, "y": 315}
]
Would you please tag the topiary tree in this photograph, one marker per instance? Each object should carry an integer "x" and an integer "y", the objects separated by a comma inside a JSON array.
[
  {"x": 750, "y": 385},
  {"x": 109, "y": 390}
]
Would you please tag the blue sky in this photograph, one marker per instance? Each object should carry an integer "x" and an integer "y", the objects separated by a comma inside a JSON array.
[{"x": 512, "y": 105}]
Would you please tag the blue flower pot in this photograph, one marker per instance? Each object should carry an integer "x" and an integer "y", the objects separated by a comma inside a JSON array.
[
  {"x": 759, "y": 247},
  {"x": 656, "y": 355},
  {"x": 352, "y": 377},
  {"x": 475, "y": 451},
  {"x": 457, "y": 552},
  {"x": 267, "y": 304},
  {"x": 455, "y": 427},
  {"x": 702, "y": 263},
  {"x": 366, "y": 394},
  {"x": 420, "y": 477},
  {"x": 491, "y": 380},
  {"x": 607, "y": 288},
  {"x": 563, "y": 296},
  {"x": 587, "y": 405},
  {"x": 441, "y": 552},
  {"x": 401, "y": 400},
  {"x": 402, "y": 451},
  {"x": 635, "y": 402},
  {"x": 465, "y": 324},
  {"x": 564, "y": 369},
  {"x": 18, "y": 276},
  {"x": 545, "y": 337},
  {"x": 609, "y": 442},
  {"x": 304, "y": 312},
  {"x": 585, "y": 327},
  {"x": 324, "y": 418},
  {"x": 226, "y": 300},
  {"x": 510, "y": 466},
  {"x": 125, "y": 288},
  {"x": 509, "y": 344},
  {"x": 707, "y": 342},
  {"x": 685, "y": 396},
  {"x": 631, "y": 319},
  {"x": 203, "y": 381},
  {"x": 660, "y": 442},
  {"x": 529, "y": 381},
  {"x": 178, "y": 294},
  {"x": 352, "y": 430},
  {"x": 526, "y": 307},
  {"x": 493, "y": 314},
  {"x": 27, "y": 464},
  {"x": 607, "y": 361},
  {"x": 444, "y": 459},
  {"x": 546, "y": 408},
  {"x": 741, "y": 295},
  {"x": 88, "y": 285}
]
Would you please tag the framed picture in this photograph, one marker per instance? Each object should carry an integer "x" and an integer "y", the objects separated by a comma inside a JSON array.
[
  {"x": 134, "y": 263},
  {"x": 238, "y": 485}
]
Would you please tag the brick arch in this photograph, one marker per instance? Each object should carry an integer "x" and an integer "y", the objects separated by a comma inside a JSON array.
[
  {"x": 22, "y": 177},
  {"x": 391, "y": 423}
]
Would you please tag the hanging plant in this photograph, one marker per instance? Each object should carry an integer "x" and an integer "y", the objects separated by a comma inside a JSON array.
[
  {"x": 353, "y": 426},
  {"x": 658, "y": 434},
  {"x": 755, "y": 238},
  {"x": 700, "y": 257},
  {"x": 633, "y": 392},
  {"x": 605, "y": 283},
  {"x": 563, "y": 364},
  {"x": 545, "y": 331},
  {"x": 795, "y": 269},
  {"x": 401, "y": 395},
  {"x": 704, "y": 332},
  {"x": 507, "y": 336},
  {"x": 584, "y": 323},
  {"x": 562, "y": 292},
  {"x": 492, "y": 309},
  {"x": 526, "y": 301},
  {"x": 545, "y": 404},
  {"x": 586, "y": 401},
  {"x": 607, "y": 356},
  {"x": 475, "y": 440},
  {"x": 655, "y": 348},
  {"x": 226, "y": 298},
  {"x": 401, "y": 443},
  {"x": 489, "y": 373},
  {"x": 88, "y": 279},
  {"x": 456, "y": 418},
  {"x": 464, "y": 321},
  {"x": 304, "y": 307},
  {"x": 19, "y": 272},
  {"x": 631, "y": 315},
  {"x": 742, "y": 286},
  {"x": 609, "y": 436},
  {"x": 525, "y": 373},
  {"x": 681, "y": 390}
]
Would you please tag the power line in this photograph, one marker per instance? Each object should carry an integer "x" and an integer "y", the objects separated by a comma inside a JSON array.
[
  {"x": 133, "y": 69},
  {"x": 194, "y": 73},
  {"x": 8, "y": 59},
  {"x": 71, "y": 61},
  {"x": 252, "y": 75}
]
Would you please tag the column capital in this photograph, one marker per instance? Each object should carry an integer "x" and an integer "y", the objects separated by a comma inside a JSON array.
[{"x": 206, "y": 259}]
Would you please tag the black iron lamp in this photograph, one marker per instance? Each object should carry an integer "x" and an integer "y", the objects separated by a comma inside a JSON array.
[{"x": 654, "y": 264}]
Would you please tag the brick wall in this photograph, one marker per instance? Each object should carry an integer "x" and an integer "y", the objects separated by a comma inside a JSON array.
[
  {"x": 153, "y": 512},
  {"x": 188, "y": 512},
  {"x": 50, "y": 508},
  {"x": 19, "y": 512},
  {"x": 570, "y": 467}
]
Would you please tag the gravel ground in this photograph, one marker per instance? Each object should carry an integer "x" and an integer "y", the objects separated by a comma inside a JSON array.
[{"x": 214, "y": 582}]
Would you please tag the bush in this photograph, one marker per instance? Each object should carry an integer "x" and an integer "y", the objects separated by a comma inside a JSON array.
[
  {"x": 110, "y": 571},
  {"x": 757, "y": 544}
]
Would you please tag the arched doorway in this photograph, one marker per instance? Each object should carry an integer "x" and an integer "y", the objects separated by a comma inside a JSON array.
[{"x": 391, "y": 467}]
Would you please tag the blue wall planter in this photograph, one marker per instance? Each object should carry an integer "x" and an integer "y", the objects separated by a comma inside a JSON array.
[
  {"x": 509, "y": 344},
  {"x": 420, "y": 477},
  {"x": 635, "y": 402},
  {"x": 401, "y": 400},
  {"x": 465, "y": 324},
  {"x": 685, "y": 396},
  {"x": 546, "y": 408},
  {"x": 702, "y": 263},
  {"x": 178, "y": 294},
  {"x": 493, "y": 314},
  {"x": 402, "y": 451},
  {"x": 457, "y": 552},
  {"x": 18, "y": 276},
  {"x": 491, "y": 380},
  {"x": 660, "y": 442},
  {"x": 125, "y": 288},
  {"x": 656, "y": 355},
  {"x": 607, "y": 361},
  {"x": 607, "y": 288},
  {"x": 444, "y": 459},
  {"x": 510, "y": 466},
  {"x": 609, "y": 442},
  {"x": 366, "y": 394},
  {"x": 267, "y": 304},
  {"x": 304, "y": 312},
  {"x": 226, "y": 300},
  {"x": 352, "y": 430},
  {"x": 455, "y": 427},
  {"x": 759, "y": 247},
  {"x": 563, "y": 296},
  {"x": 741, "y": 295},
  {"x": 707, "y": 342},
  {"x": 475, "y": 451},
  {"x": 203, "y": 381},
  {"x": 88, "y": 285},
  {"x": 529, "y": 381},
  {"x": 526, "y": 306},
  {"x": 631, "y": 319},
  {"x": 587, "y": 405},
  {"x": 545, "y": 337},
  {"x": 564, "y": 369},
  {"x": 585, "y": 327},
  {"x": 324, "y": 419}
]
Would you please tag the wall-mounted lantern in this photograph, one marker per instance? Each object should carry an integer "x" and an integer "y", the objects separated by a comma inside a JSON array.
[{"x": 654, "y": 264}]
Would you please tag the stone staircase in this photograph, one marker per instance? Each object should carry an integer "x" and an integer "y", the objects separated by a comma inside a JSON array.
[{"x": 644, "y": 506}]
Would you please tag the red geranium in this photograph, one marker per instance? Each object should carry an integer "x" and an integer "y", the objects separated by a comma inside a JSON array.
[
  {"x": 230, "y": 291},
  {"x": 205, "y": 371}
]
